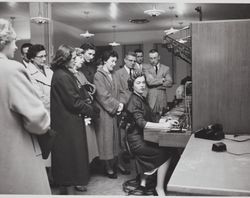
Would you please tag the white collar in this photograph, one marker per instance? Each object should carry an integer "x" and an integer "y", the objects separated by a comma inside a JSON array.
[{"x": 3, "y": 56}]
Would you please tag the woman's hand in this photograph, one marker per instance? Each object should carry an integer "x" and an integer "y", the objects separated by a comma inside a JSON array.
[
  {"x": 120, "y": 108},
  {"x": 170, "y": 124},
  {"x": 87, "y": 121}
]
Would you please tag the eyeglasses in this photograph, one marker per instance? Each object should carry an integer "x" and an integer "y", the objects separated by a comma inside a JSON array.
[
  {"x": 131, "y": 60},
  {"x": 42, "y": 56}
]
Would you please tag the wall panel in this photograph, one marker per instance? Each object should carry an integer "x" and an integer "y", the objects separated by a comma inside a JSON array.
[{"x": 221, "y": 74}]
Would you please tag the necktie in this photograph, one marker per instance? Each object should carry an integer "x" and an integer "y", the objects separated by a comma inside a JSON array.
[
  {"x": 156, "y": 69},
  {"x": 130, "y": 72}
]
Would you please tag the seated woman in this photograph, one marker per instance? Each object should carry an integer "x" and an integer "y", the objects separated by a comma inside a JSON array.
[{"x": 149, "y": 155}]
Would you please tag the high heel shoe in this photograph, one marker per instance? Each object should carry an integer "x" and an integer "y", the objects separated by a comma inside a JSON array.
[
  {"x": 81, "y": 188},
  {"x": 111, "y": 175}
]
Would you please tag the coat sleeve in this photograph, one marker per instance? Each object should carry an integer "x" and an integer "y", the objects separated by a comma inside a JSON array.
[
  {"x": 122, "y": 93},
  {"x": 151, "y": 80},
  {"x": 136, "y": 110},
  {"x": 24, "y": 101},
  {"x": 70, "y": 96},
  {"x": 103, "y": 96}
]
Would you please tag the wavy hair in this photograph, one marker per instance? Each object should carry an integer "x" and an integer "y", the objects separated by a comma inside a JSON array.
[
  {"x": 7, "y": 33},
  {"x": 132, "y": 79},
  {"x": 34, "y": 50},
  {"x": 107, "y": 54},
  {"x": 62, "y": 57}
]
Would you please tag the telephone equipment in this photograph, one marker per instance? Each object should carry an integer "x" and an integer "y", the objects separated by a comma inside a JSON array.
[{"x": 211, "y": 132}]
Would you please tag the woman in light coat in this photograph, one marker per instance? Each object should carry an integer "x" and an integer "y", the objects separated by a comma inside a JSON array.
[
  {"x": 110, "y": 107},
  {"x": 22, "y": 115},
  {"x": 41, "y": 74}
]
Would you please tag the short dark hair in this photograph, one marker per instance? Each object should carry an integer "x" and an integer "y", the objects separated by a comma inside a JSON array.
[
  {"x": 87, "y": 46},
  {"x": 132, "y": 79},
  {"x": 153, "y": 51},
  {"x": 130, "y": 53},
  {"x": 138, "y": 51},
  {"x": 62, "y": 57},
  {"x": 107, "y": 54},
  {"x": 25, "y": 45},
  {"x": 33, "y": 50}
]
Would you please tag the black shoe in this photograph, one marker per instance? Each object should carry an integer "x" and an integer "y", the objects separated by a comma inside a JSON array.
[
  {"x": 123, "y": 171},
  {"x": 81, "y": 188},
  {"x": 111, "y": 175}
]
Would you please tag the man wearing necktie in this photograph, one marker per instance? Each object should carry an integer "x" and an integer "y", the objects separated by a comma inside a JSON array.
[
  {"x": 139, "y": 60},
  {"x": 122, "y": 75},
  {"x": 158, "y": 79}
]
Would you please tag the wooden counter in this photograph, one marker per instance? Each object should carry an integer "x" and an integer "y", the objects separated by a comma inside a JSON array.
[{"x": 167, "y": 139}]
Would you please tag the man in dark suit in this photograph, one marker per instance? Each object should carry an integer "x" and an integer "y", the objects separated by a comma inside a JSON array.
[
  {"x": 88, "y": 67},
  {"x": 139, "y": 59},
  {"x": 24, "y": 50}
]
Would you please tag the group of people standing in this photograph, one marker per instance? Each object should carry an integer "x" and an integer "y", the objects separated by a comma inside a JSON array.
[{"x": 83, "y": 103}]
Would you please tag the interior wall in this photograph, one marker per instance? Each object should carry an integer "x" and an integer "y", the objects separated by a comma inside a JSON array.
[
  {"x": 221, "y": 75},
  {"x": 148, "y": 39}
]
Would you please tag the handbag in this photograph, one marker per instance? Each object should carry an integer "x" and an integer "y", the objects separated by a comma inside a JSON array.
[{"x": 46, "y": 142}]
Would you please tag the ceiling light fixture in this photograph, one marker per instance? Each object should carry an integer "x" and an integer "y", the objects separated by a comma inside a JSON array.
[
  {"x": 39, "y": 19},
  {"x": 114, "y": 43},
  {"x": 184, "y": 39},
  {"x": 87, "y": 34},
  {"x": 172, "y": 29},
  {"x": 138, "y": 21},
  {"x": 154, "y": 12}
]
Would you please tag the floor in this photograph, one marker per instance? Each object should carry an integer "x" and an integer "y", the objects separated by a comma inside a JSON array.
[{"x": 100, "y": 184}]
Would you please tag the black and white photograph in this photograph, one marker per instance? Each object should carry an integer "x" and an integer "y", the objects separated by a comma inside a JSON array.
[{"x": 124, "y": 98}]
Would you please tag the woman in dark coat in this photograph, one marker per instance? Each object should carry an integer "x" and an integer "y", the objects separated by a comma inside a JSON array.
[
  {"x": 69, "y": 154},
  {"x": 149, "y": 155}
]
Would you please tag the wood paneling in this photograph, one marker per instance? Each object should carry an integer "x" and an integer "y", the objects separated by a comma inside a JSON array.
[{"x": 221, "y": 75}]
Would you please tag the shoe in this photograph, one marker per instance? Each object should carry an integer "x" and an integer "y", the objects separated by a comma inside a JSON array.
[
  {"x": 111, "y": 175},
  {"x": 81, "y": 188},
  {"x": 123, "y": 171},
  {"x": 155, "y": 193}
]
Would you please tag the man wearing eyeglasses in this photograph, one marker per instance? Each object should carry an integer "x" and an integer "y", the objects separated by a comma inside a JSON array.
[
  {"x": 41, "y": 76},
  {"x": 123, "y": 75}
]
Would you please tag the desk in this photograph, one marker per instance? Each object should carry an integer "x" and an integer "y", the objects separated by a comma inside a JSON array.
[
  {"x": 201, "y": 171},
  {"x": 167, "y": 139}
]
